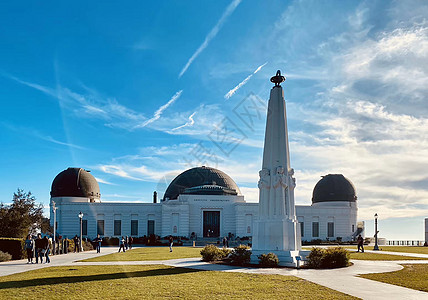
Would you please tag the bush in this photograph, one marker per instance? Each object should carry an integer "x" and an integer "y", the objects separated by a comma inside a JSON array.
[
  {"x": 4, "y": 256},
  {"x": 225, "y": 252},
  {"x": 87, "y": 245},
  {"x": 328, "y": 258},
  {"x": 268, "y": 260},
  {"x": 240, "y": 255},
  {"x": 13, "y": 246},
  {"x": 211, "y": 253},
  {"x": 335, "y": 258}
]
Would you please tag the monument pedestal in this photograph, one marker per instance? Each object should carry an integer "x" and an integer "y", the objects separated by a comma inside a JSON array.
[{"x": 278, "y": 236}]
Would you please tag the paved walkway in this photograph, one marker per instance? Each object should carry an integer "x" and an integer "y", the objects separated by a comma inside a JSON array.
[{"x": 344, "y": 279}]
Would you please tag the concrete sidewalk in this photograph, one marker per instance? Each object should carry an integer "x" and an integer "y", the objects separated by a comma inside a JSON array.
[{"x": 19, "y": 266}]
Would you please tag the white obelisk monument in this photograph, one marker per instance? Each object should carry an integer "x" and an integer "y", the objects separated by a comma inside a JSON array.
[{"x": 276, "y": 229}]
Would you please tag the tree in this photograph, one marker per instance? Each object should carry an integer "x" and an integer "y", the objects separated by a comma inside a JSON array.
[{"x": 21, "y": 217}]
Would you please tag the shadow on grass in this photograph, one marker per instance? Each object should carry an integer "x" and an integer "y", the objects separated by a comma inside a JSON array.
[{"x": 88, "y": 278}]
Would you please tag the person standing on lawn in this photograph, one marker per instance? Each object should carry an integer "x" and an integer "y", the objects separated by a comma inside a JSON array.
[
  {"x": 171, "y": 242},
  {"x": 29, "y": 247},
  {"x": 47, "y": 249}
]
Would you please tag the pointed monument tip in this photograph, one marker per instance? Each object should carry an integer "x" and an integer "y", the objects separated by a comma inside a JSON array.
[{"x": 278, "y": 78}]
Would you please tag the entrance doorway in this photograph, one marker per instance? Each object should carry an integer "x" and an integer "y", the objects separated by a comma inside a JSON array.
[{"x": 211, "y": 224}]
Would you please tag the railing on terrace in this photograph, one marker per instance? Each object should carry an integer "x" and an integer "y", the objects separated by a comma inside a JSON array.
[{"x": 405, "y": 243}]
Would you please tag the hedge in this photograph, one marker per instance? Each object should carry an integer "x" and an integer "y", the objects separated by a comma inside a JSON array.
[{"x": 13, "y": 246}]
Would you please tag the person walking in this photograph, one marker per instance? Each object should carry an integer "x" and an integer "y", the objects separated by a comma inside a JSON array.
[
  {"x": 131, "y": 240},
  {"x": 126, "y": 242},
  {"x": 29, "y": 247},
  {"x": 47, "y": 249},
  {"x": 39, "y": 247},
  {"x": 122, "y": 244},
  {"x": 97, "y": 242},
  {"x": 360, "y": 243},
  {"x": 224, "y": 242},
  {"x": 171, "y": 242}
]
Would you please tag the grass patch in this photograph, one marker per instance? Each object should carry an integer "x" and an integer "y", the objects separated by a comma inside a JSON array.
[
  {"x": 150, "y": 253},
  {"x": 405, "y": 249},
  {"x": 154, "y": 282},
  {"x": 379, "y": 256},
  {"x": 412, "y": 276}
]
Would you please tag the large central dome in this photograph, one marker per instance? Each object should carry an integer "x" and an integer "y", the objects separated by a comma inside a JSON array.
[
  {"x": 201, "y": 180},
  {"x": 334, "y": 187},
  {"x": 75, "y": 182}
]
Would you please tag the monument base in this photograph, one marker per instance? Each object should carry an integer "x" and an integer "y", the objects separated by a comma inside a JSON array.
[
  {"x": 292, "y": 259},
  {"x": 280, "y": 236}
]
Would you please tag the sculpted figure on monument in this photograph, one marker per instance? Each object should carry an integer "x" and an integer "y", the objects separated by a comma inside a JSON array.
[
  {"x": 280, "y": 178},
  {"x": 264, "y": 182}
]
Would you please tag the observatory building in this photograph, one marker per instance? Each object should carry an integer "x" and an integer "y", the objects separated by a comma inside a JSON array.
[{"x": 202, "y": 201}]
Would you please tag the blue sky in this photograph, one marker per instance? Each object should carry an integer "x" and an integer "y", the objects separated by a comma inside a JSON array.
[{"x": 139, "y": 91}]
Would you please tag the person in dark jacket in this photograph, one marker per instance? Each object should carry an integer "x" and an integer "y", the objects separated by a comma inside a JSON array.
[
  {"x": 97, "y": 242},
  {"x": 76, "y": 243},
  {"x": 47, "y": 249},
  {"x": 171, "y": 242},
  {"x": 360, "y": 243},
  {"x": 39, "y": 249},
  {"x": 29, "y": 247}
]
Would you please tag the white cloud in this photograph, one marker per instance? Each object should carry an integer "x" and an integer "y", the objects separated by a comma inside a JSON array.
[
  {"x": 188, "y": 123},
  {"x": 242, "y": 83},
  {"x": 229, "y": 10},
  {"x": 160, "y": 110}
]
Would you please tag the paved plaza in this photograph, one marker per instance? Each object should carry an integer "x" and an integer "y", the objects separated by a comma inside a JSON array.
[{"x": 344, "y": 280}]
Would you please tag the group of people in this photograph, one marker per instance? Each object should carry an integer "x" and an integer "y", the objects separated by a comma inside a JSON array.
[
  {"x": 125, "y": 243},
  {"x": 40, "y": 247}
]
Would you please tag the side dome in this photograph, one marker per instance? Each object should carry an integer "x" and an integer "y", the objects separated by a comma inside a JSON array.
[
  {"x": 75, "y": 182},
  {"x": 201, "y": 180},
  {"x": 334, "y": 187}
]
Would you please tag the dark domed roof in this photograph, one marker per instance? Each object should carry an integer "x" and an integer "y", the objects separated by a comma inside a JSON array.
[
  {"x": 75, "y": 182},
  {"x": 201, "y": 180},
  {"x": 334, "y": 187}
]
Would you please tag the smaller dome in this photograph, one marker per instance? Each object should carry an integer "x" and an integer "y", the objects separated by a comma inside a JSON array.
[
  {"x": 334, "y": 187},
  {"x": 75, "y": 182}
]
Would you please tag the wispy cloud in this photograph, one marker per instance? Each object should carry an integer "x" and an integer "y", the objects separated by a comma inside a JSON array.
[
  {"x": 37, "y": 134},
  {"x": 229, "y": 10},
  {"x": 104, "y": 181},
  {"x": 160, "y": 110},
  {"x": 188, "y": 123},
  {"x": 242, "y": 83}
]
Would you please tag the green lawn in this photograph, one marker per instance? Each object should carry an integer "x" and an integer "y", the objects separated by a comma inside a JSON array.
[
  {"x": 412, "y": 276},
  {"x": 374, "y": 256},
  {"x": 155, "y": 282},
  {"x": 406, "y": 249},
  {"x": 150, "y": 253}
]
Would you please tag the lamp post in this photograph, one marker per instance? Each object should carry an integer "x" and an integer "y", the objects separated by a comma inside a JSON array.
[
  {"x": 54, "y": 227},
  {"x": 81, "y": 217},
  {"x": 376, "y": 247}
]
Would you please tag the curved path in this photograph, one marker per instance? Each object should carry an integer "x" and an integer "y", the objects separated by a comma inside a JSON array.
[{"x": 344, "y": 280}]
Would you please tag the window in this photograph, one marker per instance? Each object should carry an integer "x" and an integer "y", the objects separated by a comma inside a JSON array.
[
  {"x": 353, "y": 227},
  {"x": 315, "y": 229},
  {"x": 330, "y": 229},
  {"x": 117, "y": 227},
  {"x": 302, "y": 228},
  {"x": 84, "y": 227},
  {"x": 134, "y": 227},
  {"x": 100, "y": 227},
  {"x": 248, "y": 229}
]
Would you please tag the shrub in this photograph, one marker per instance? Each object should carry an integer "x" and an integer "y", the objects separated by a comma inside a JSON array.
[
  {"x": 225, "y": 252},
  {"x": 268, "y": 260},
  {"x": 328, "y": 258},
  {"x": 13, "y": 246},
  {"x": 211, "y": 253},
  {"x": 87, "y": 245},
  {"x": 4, "y": 256},
  {"x": 315, "y": 258},
  {"x": 335, "y": 258},
  {"x": 240, "y": 255}
]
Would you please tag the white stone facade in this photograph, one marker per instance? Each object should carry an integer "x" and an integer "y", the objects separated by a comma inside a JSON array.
[{"x": 183, "y": 216}]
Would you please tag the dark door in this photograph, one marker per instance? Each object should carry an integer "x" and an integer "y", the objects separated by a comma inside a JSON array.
[
  {"x": 211, "y": 223},
  {"x": 150, "y": 227}
]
